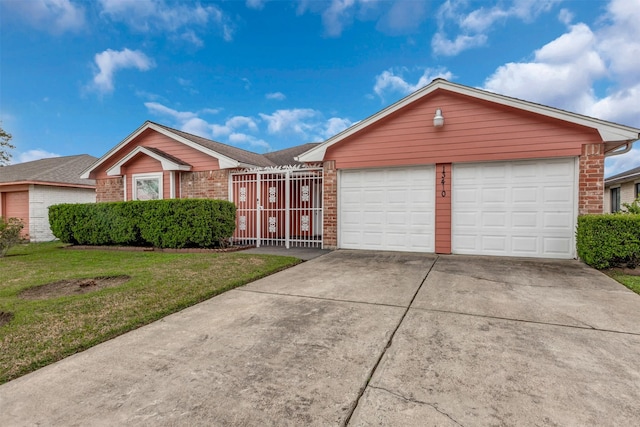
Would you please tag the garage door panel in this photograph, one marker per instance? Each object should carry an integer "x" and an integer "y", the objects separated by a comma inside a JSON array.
[
  {"x": 494, "y": 195},
  {"x": 524, "y": 220},
  {"x": 530, "y": 213},
  {"x": 396, "y": 207}
]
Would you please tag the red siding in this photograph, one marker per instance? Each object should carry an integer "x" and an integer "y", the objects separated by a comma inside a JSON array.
[
  {"x": 474, "y": 130},
  {"x": 150, "y": 138},
  {"x": 16, "y": 205},
  {"x": 443, "y": 209}
]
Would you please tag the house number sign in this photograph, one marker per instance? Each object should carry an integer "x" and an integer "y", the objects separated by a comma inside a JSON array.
[{"x": 444, "y": 174}]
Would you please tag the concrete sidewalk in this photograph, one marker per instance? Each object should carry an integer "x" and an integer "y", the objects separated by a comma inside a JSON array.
[{"x": 365, "y": 338}]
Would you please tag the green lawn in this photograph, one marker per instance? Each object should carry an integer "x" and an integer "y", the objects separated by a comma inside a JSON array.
[
  {"x": 631, "y": 282},
  {"x": 44, "y": 331}
]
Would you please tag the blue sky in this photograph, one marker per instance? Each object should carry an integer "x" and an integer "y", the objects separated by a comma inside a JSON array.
[{"x": 78, "y": 77}]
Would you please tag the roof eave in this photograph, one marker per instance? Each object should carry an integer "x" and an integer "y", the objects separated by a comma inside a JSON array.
[
  {"x": 224, "y": 162},
  {"x": 609, "y": 132}
]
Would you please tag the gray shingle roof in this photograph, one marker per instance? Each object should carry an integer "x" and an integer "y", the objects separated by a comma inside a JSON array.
[
  {"x": 63, "y": 170},
  {"x": 235, "y": 153},
  {"x": 630, "y": 174},
  {"x": 287, "y": 156}
]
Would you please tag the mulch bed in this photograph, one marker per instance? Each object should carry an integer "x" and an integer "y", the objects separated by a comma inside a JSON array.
[{"x": 72, "y": 287}]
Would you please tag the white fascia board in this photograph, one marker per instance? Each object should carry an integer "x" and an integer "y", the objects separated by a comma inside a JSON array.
[
  {"x": 167, "y": 164},
  {"x": 224, "y": 161},
  {"x": 609, "y": 132}
]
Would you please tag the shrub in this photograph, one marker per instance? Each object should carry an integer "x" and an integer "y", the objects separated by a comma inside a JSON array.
[
  {"x": 9, "y": 234},
  {"x": 608, "y": 240},
  {"x": 633, "y": 207},
  {"x": 176, "y": 223}
]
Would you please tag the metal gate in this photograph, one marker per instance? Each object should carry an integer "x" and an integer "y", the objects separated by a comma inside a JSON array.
[{"x": 278, "y": 206}]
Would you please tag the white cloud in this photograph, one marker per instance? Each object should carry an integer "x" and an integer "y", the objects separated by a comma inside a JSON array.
[
  {"x": 235, "y": 130},
  {"x": 37, "y": 154},
  {"x": 278, "y": 96},
  {"x": 564, "y": 72},
  {"x": 472, "y": 28},
  {"x": 622, "y": 163},
  {"x": 295, "y": 121},
  {"x": 391, "y": 17},
  {"x": 110, "y": 61},
  {"x": 255, "y": 4},
  {"x": 403, "y": 17},
  {"x": 394, "y": 82},
  {"x": 561, "y": 75},
  {"x": 160, "y": 15},
  {"x": 55, "y": 16},
  {"x": 305, "y": 123},
  {"x": 335, "y": 125},
  {"x": 302, "y": 124}
]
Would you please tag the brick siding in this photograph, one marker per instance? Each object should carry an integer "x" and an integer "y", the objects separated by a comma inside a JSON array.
[
  {"x": 109, "y": 190},
  {"x": 330, "y": 206},
  {"x": 205, "y": 185},
  {"x": 591, "y": 180}
]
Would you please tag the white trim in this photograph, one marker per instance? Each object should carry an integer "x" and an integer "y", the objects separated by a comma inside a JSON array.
[
  {"x": 167, "y": 164},
  {"x": 609, "y": 132},
  {"x": 135, "y": 177},
  {"x": 223, "y": 161},
  {"x": 124, "y": 184},
  {"x": 172, "y": 184}
]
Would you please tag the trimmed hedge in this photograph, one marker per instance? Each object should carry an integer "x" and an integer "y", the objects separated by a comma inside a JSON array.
[
  {"x": 176, "y": 223},
  {"x": 609, "y": 240}
]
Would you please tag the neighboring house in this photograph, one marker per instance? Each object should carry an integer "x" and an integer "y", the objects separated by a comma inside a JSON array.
[
  {"x": 28, "y": 189},
  {"x": 448, "y": 169},
  {"x": 621, "y": 188}
]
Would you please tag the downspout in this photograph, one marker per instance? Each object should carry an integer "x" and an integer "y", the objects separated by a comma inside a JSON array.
[{"x": 616, "y": 152}]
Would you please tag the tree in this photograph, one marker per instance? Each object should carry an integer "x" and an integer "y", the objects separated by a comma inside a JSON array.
[{"x": 5, "y": 145}]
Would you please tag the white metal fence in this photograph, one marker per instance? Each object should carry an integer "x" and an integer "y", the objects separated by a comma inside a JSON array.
[{"x": 278, "y": 206}]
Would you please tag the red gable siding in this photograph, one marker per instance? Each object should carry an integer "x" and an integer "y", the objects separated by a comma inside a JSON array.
[
  {"x": 150, "y": 138},
  {"x": 474, "y": 130}
]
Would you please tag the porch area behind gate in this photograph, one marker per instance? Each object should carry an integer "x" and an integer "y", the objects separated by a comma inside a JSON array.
[{"x": 278, "y": 206}]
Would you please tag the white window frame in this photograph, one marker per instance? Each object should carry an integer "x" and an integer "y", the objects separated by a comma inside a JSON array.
[{"x": 144, "y": 176}]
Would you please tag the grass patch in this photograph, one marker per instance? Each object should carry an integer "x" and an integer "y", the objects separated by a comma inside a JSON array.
[
  {"x": 631, "y": 282},
  {"x": 41, "y": 332}
]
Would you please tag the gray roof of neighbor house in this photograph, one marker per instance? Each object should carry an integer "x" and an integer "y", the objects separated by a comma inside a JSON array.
[
  {"x": 54, "y": 170},
  {"x": 629, "y": 175}
]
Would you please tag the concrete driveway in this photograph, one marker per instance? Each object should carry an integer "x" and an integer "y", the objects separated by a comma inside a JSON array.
[{"x": 365, "y": 338}]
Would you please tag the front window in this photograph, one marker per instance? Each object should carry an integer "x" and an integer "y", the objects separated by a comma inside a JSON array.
[
  {"x": 147, "y": 187},
  {"x": 637, "y": 192},
  {"x": 615, "y": 199}
]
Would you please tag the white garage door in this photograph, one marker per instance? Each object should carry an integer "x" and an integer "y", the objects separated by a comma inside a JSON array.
[
  {"x": 525, "y": 208},
  {"x": 387, "y": 209}
]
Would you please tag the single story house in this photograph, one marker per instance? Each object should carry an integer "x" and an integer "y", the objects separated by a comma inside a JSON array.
[
  {"x": 28, "y": 189},
  {"x": 447, "y": 169},
  {"x": 621, "y": 188}
]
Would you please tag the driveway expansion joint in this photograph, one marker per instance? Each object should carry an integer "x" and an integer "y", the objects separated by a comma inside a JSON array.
[
  {"x": 509, "y": 319},
  {"x": 419, "y": 402},
  {"x": 386, "y": 347},
  {"x": 322, "y": 298}
]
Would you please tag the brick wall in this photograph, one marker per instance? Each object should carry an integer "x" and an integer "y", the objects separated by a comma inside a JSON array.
[
  {"x": 41, "y": 197},
  {"x": 205, "y": 185},
  {"x": 109, "y": 190},
  {"x": 591, "y": 180},
  {"x": 330, "y": 205}
]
